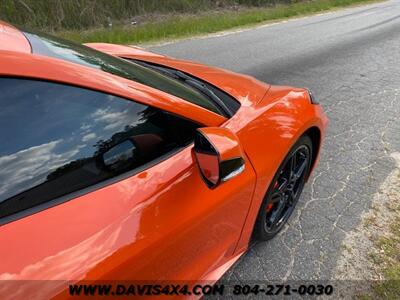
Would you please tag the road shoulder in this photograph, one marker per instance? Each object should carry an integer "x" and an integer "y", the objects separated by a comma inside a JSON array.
[{"x": 369, "y": 264}]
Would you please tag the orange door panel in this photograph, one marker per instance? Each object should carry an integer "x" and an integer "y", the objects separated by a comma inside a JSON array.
[{"x": 162, "y": 223}]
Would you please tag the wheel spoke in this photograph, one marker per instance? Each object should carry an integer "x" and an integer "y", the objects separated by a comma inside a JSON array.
[
  {"x": 276, "y": 216},
  {"x": 291, "y": 197},
  {"x": 300, "y": 170},
  {"x": 283, "y": 185},
  {"x": 287, "y": 189},
  {"x": 293, "y": 162}
]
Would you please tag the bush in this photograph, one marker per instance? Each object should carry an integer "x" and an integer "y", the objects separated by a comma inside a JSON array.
[{"x": 84, "y": 14}]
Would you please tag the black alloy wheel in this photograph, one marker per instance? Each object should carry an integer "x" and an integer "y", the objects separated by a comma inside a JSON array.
[{"x": 284, "y": 191}]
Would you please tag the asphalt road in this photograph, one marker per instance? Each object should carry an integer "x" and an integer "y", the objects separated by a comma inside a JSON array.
[{"x": 351, "y": 59}]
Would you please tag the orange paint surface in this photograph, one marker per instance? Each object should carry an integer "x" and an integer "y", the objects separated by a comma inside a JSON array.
[{"x": 163, "y": 223}]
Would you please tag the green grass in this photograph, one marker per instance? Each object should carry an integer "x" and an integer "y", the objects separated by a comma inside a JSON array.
[
  {"x": 390, "y": 288},
  {"x": 388, "y": 259},
  {"x": 83, "y": 14},
  {"x": 191, "y": 25}
]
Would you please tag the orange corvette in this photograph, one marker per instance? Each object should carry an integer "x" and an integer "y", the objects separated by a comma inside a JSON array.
[{"x": 120, "y": 164}]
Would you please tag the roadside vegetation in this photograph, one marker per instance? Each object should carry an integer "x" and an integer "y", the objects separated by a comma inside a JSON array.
[
  {"x": 139, "y": 21},
  {"x": 370, "y": 260},
  {"x": 387, "y": 256}
]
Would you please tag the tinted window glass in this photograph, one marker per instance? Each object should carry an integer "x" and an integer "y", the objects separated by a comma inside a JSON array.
[
  {"x": 58, "y": 48},
  {"x": 57, "y": 139},
  {"x": 231, "y": 103}
]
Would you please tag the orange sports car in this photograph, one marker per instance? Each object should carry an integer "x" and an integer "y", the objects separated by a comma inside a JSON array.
[{"x": 121, "y": 164}]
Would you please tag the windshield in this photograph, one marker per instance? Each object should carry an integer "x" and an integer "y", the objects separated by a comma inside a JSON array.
[{"x": 48, "y": 45}]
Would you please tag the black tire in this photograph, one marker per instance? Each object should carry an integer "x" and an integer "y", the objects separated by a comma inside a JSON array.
[{"x": 284, "y": 192}]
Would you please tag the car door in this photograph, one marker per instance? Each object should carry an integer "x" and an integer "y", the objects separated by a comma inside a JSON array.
[{"x": 93, "y": 186}]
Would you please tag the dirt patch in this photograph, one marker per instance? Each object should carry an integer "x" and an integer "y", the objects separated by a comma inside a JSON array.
[{"x": 360, "y": 264}]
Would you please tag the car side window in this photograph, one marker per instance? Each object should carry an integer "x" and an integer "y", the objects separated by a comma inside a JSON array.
[{"x": 58, "y": 139}]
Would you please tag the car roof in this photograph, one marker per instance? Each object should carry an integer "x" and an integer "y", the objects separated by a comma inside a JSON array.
[
  {"x": 12, "y": 39},
  {"x": 17, "y": 60}
]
